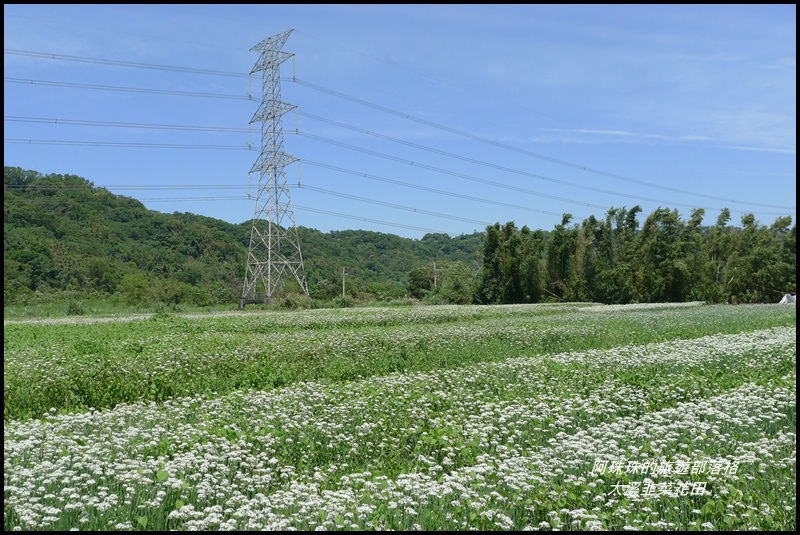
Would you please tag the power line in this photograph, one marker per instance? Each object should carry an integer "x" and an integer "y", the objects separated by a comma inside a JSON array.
[
  {"x": 392, "y": 205},
  {"x": 392, "y": 112},
  {"x": 359, "y": 218},
  {"x": 337, "y": 194},
  {"x": 125, "y": 89},
  {"x": 352, "y": 128},
  {"x": 118, "y": 63},
  {"x": 504, "y": 146},
  {"x": 309, "y": 209},
  {"x": 126, "y": 145},
  {"x": 503, "y": 168},
  {"x": 357, "y": 173},
  {"x": 306, "y": 187},
  {"x": 310, "y": 188},
  {"x": 318, "y": 118},
  {"x": 116, "y": 124},
  {"x": 319, "y": 88},
  {"x": 426, "y": 188},
  {"x": 62, "y": 187},
  {"x": 498, "y": 184},
  {"x": 452, "y": 173},
  {"x": 77, "y": 187},
  {"x": 192, "y": 199}
]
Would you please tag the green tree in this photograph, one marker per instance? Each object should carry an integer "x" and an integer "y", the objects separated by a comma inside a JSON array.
[
  {"x": 137, "y": 289},
  {"x": 489, "y": 288},
  {"x": 662, "y": 275},
  {"x": 584, "y": 265},
  {"x": 420, "y": 281},
  {"x": 532, "y": 270},
  {"x": 512, "y": 271},
  {"x": 696, "y": 254},
  {"x": 719, "y": 250},
  {"x": 560, "y": 253},
  {"x": 764, "y": 271},
  {"x": 457, "y": 283},
  {"x": 510, "y": 252}
]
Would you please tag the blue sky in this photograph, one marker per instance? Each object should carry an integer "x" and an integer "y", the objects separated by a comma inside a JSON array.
[{"x": 412, "y": 119}]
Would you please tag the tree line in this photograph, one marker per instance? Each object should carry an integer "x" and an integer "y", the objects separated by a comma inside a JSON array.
[
  {"x": 63, "y": 235},
  {"x": 613, "y": 261}
]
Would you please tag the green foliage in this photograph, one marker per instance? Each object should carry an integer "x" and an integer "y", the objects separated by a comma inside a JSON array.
[
  {"x": 420, "y": 281},
  {"x": 489, "y": 290},
  {"x": 613, "y": 262},
  {"x": 344, "y": 302},
  {"x": 296, "y": 301},
  {"x": 64, "y": 234},
  {"x": 456, "y": 283},
  {"x": 511, "y": 271},
  {"x": 443, "y": 283},
  {"x": 75, "y": 308}
]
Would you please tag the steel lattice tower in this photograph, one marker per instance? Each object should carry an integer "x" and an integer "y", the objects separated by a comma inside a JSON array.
[{"x": 274, "y": 243}]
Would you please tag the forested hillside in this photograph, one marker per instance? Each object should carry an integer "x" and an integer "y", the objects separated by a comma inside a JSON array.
[{"x": 63, "y": 235}]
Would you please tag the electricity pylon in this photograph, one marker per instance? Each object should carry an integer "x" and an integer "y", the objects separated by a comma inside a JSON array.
[{"x": 274, "y": 243}]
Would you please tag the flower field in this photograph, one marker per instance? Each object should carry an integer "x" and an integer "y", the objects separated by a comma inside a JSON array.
[{"x": 535, "y": 417}]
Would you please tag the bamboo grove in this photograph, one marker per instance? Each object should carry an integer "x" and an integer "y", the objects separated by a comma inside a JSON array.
[{"x": 614, "y": 261}]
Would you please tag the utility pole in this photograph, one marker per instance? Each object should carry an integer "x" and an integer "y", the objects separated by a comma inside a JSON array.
[
  {"x": 434, "y": 274},
  {"x": 274, "y": 242},
  {"x": 343, "y": 276}
]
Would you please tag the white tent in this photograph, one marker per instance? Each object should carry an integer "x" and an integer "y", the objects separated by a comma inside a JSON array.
[{"x": 788, "y": 298}]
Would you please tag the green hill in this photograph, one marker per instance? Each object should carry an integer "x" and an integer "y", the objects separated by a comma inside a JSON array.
[{"x": 65, "y": 236}]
